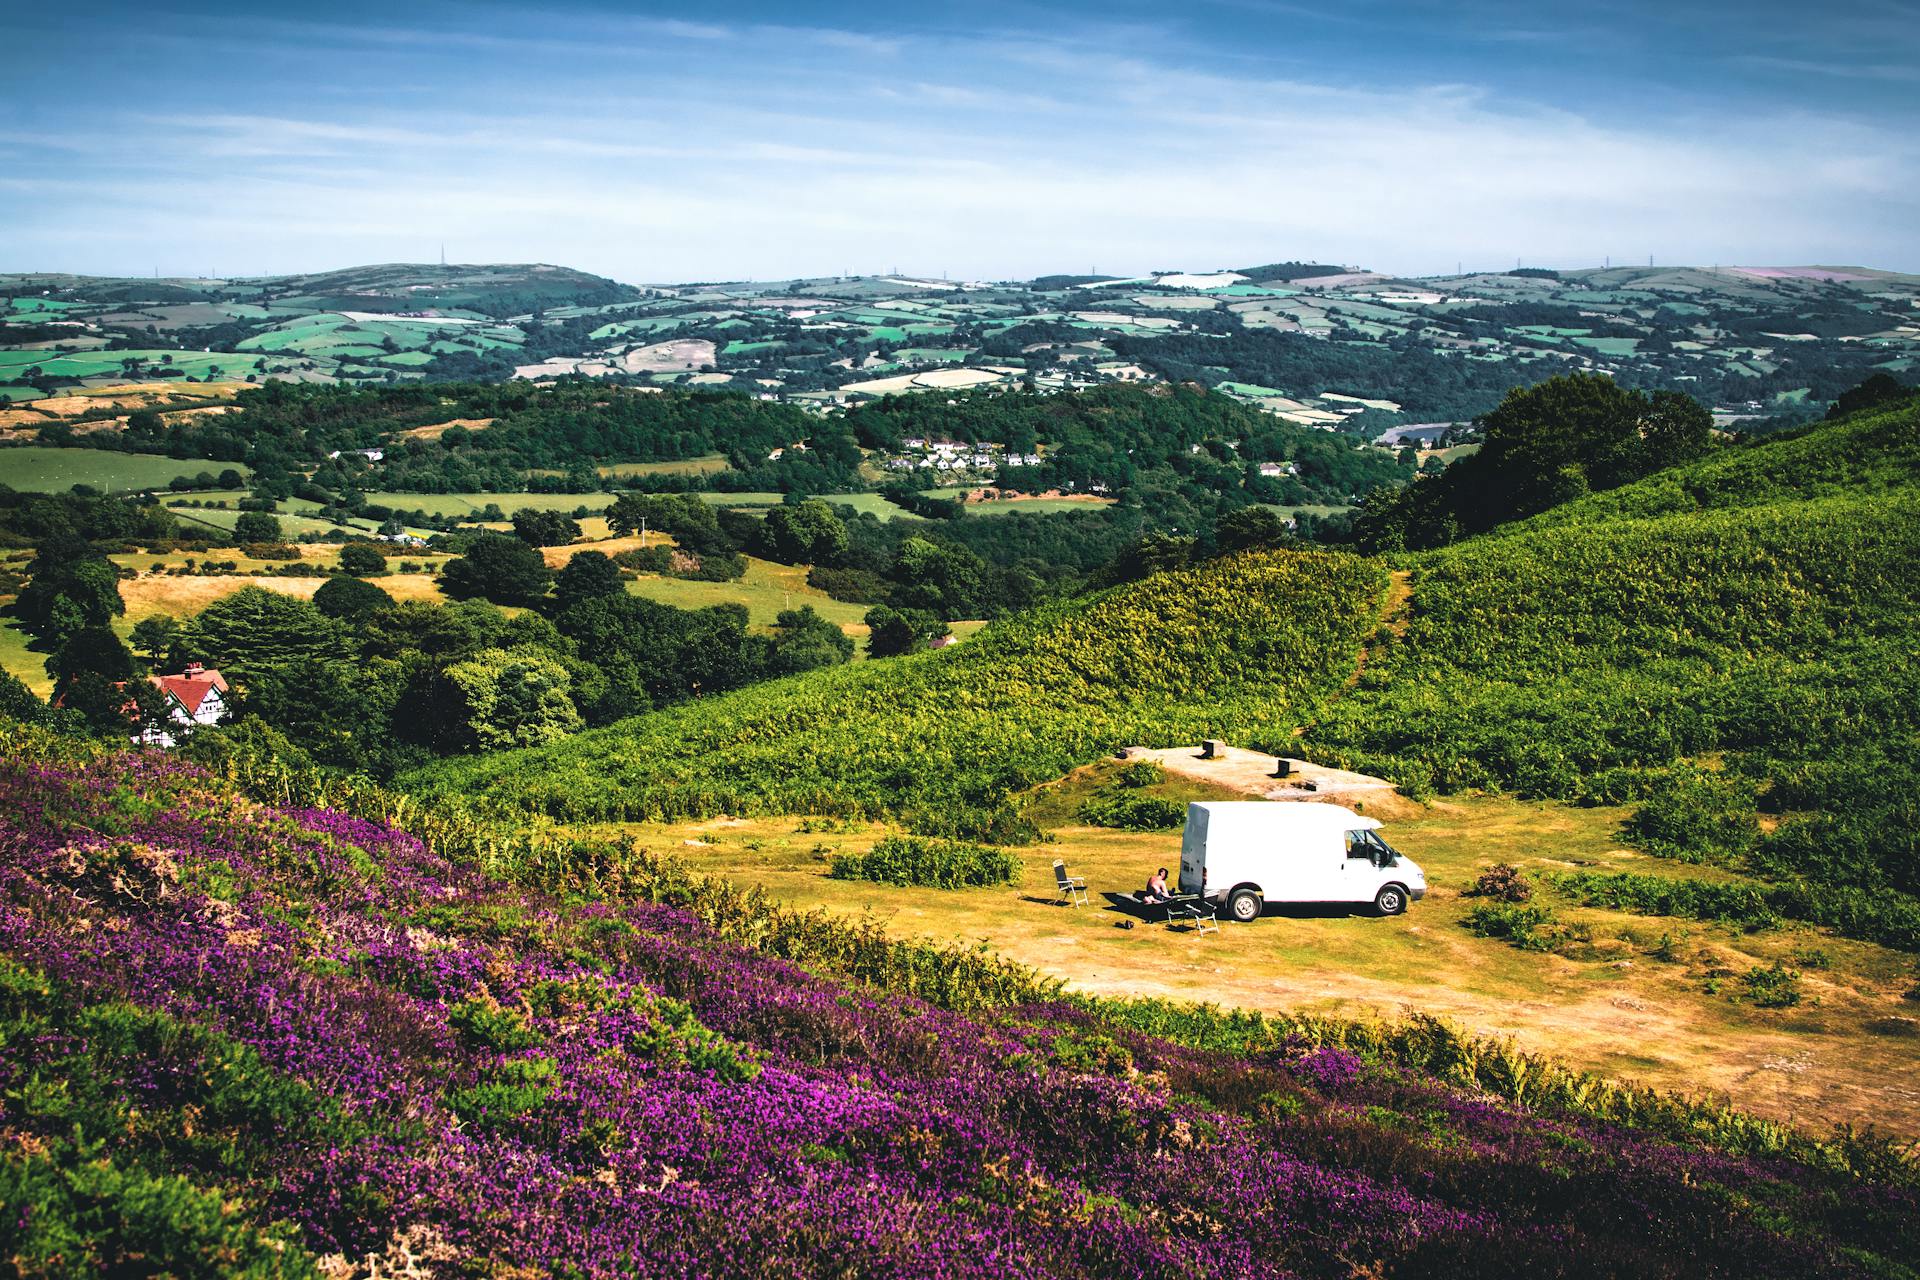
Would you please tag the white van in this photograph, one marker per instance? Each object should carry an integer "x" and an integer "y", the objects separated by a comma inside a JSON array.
[{"x": 1243, "y": 854}]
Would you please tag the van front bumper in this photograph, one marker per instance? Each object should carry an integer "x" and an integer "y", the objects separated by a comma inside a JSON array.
[{"x": 1417, "y": 892}]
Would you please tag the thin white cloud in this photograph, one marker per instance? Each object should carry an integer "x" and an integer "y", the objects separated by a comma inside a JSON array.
[{"x": 792, "y": 151}]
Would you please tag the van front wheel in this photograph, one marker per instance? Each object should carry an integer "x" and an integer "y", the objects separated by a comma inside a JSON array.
[
  {"x": 1391, "y": 900},
  {"x": 1244, "y": 906}
]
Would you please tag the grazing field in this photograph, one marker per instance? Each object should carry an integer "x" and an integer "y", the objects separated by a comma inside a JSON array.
[{"x": 45, "y": 469}]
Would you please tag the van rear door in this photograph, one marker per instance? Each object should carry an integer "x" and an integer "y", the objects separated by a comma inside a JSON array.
[{"x": 1193, "y": 850}]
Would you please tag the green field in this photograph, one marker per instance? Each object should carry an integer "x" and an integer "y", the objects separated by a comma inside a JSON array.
[
  {"x": 44, "y": 469},
  {"x": 19, "y": 393},
  {"x": 199, "y": 364},
  {"x": 464, "y": 504},
  {"x": 765, "y": 589},
  {"x": 707, "y": 464}
]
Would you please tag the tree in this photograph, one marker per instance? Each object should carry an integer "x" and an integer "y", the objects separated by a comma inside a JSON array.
[
  {"x": 545, "y": 528},
  {"x": 152, "y": 635},
  {"x": 350, "y": 599},
  {"x": 1878, "y": 389},
  {"x": 254, "y": 630},
  {"x": 89, "y": 650},
  {"x": 1252, "y": 527},
  {"x": 695, "y": 527},
  {"x": 498, "y": 568},
  {"x": 803, "y": 640},
  {"x": 18, "y": 702},
  {"x": 805, "y": 533},
  {"x": 362, "y": 560},
  {"x": 588, "y": 574},
  {"x": 891, "y": 632},
  {"x": 512, "y": 698},
  {"x": 70, "y": 586},
  {"x": 256, "y": 526},
  {"x": 1544, "y": 445}
]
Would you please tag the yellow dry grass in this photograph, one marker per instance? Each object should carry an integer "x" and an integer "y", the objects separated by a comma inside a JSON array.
[
  {"x": 152, "y": 593},
  {"x": 1617, "y": 1006},
  {"x": 435, "y": 431}
]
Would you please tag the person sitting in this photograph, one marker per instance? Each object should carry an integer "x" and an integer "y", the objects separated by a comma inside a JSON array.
[{"x": 1156, "y": 890}]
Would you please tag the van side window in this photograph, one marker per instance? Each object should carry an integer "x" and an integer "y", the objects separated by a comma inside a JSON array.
[{"x": 1358, "y": 845}]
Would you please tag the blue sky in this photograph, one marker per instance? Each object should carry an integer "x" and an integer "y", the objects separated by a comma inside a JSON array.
[{"x": 988, "y": 140}]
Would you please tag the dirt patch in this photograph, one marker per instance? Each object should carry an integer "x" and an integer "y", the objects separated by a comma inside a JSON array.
[
  {"x": 668, "y": 357},
  {"x": 438, "y": 429},
  {"x": 1251, "y": 774}
]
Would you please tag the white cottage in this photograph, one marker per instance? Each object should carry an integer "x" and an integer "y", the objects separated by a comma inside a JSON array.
[{"x": 195, "y": 697}]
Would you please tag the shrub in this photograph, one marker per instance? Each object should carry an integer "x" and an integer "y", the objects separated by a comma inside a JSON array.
[
  {"x": 1503, "y": 883},
  {"x": 1133, "y": 812},
  {"x": 1773, "y": 987},
  {"x": 933, "y": 864},
  {"x": 362, "y": 560},
  {"x": 1141, "y": 773},
  {"x": 1519, "y": 925}
]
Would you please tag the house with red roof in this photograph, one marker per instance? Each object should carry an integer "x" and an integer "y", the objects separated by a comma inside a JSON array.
[{"x": 195, "y": 697}]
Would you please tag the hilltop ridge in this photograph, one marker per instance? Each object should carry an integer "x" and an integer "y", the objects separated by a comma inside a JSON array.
[{"x": 1350, "y": 350}]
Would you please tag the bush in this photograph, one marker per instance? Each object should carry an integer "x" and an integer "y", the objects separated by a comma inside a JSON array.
[
  {"x": 1519, "y": 925},
  {"x": 362, "y": 560},
  {"x": 1774, "y": 987},
  {"x": 932, "y": 864},
  {"x": 256, "y": 526},
  {"x": 1503, "y": 883},
  {"x": 1141, "y": 773},
  {"x": 645, "y": 559},
  {"x": 1133, "y": 813}
]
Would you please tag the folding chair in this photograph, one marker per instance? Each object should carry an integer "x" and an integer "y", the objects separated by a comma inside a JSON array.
[{"x": 1073, "y": 889}]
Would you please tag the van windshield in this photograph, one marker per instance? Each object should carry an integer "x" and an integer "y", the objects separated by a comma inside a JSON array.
[{"x": 1365, "y": 844}]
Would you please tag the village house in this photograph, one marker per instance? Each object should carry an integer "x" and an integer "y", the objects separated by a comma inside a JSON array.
[
  {"x": 195, "y": 697},
  {"x": 1276, "y": 468}
]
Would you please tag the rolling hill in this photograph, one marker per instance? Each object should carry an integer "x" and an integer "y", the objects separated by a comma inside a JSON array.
[
  {"x": 1349, "y": 350},
  {"x": 1249, "y": 646},
  {"x": 1715, "y": 641}
]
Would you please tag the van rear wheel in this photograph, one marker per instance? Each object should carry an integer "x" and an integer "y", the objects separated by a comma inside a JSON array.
[
  {"x": 1245, "y": 906},
  {"x": 1391, "y": 900}
]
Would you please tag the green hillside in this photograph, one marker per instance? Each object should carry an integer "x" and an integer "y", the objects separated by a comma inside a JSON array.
[
  {"x": 1877, "y": 451},
  {"x": 1731, "y": 642},
  {"x": 1247, "y": 647}
]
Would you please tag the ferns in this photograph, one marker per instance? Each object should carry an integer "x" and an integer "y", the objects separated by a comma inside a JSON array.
[{"x": 1246, "y": 647}]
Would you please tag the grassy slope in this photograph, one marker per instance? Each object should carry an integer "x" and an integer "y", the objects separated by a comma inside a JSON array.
[
  {"x": 1763, "y": 600},
  {"x": 1247, "y": 647}
]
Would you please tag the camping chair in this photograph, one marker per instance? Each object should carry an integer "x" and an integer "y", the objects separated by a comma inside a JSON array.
[
  {"x": 1195, "y": 911},
  {"x": 1073, "y": 889}
]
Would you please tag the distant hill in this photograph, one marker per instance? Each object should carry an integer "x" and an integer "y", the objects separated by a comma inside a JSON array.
[{"x": 1317, "y": 344}]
